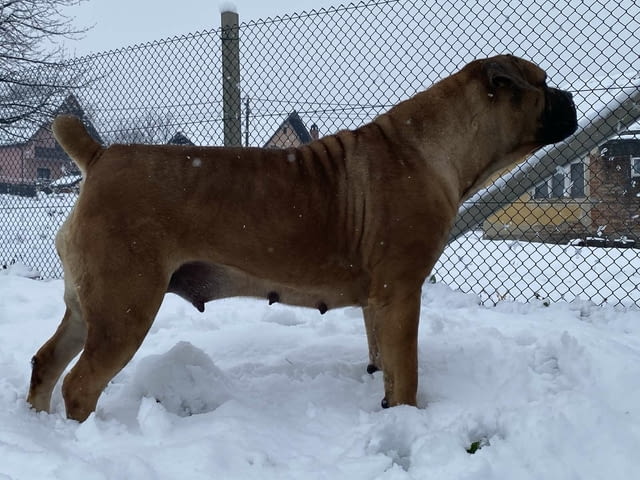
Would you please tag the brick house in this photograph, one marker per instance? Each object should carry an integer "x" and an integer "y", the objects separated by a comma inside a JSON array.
[
  {"x": 35, "y": 163},
  {"x": 180, "y": 138},
  {"x": 614, "y": 182},
  {"x": 292, "y": 133},
  {"x": 594, "y": 200}
]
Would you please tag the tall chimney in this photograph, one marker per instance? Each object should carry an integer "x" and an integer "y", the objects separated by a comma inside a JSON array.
[{"x": 314, "y": 132}]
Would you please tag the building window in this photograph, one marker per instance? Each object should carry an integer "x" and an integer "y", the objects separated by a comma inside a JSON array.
[
  {"x": 566, "y": 182},
  {"x": 577, "y": 180},
  {"x": 49, "y": 153},
  {"x": 541, "y": 191},
  {"x": 557, "y": 184},
  {"x": 43, "y": 174},
  {"x": 635, "y": 167}
]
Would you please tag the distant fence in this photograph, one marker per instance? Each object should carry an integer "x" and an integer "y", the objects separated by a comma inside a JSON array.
[{"x": 573, "y": 234}]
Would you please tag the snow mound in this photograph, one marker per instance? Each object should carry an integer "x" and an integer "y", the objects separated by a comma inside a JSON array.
[
  {"x": 184, "y": 380},
  {"x": 19, "y": 269}
]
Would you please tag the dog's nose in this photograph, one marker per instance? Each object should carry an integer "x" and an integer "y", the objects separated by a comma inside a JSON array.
[{"x": 569, "y": 96}]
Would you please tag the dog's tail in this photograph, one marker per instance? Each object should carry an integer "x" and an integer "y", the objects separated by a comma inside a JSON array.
[{"x": 73, "y": 137}]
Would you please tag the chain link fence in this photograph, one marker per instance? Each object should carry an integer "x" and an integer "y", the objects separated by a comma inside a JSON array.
[{"x": 573, "y": 232}]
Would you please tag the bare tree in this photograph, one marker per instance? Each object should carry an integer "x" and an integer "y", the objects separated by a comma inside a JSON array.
[
  {"x": 148, "y": 127},
  {"x": 33, "y": 73}
]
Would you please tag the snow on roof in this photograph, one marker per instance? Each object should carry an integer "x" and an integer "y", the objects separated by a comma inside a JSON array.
[{"x": 66, "y": 181}]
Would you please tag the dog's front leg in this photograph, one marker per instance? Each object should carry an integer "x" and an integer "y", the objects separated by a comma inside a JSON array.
[{"x": 395, "y": 323}]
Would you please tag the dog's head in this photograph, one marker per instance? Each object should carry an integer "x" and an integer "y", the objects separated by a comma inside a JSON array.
[
  {"x": 517, "y": 91},
  {"x": 511, "y": 112}
]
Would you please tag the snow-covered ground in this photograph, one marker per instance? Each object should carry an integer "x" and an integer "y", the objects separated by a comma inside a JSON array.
[
  {"x": 524, "y": 271},
  {"x": 28, "y": 227},
  {"x": 251, "y": 391}
]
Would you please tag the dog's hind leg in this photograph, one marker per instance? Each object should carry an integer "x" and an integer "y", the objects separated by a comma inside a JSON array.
[
  {"x": 116, "y": 326},
  {"x": 52, "y": 358},
  {"x": 374, "y": 354}
]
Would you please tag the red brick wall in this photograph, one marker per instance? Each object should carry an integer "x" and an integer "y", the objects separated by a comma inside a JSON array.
[{"x": 614, "y": 195}]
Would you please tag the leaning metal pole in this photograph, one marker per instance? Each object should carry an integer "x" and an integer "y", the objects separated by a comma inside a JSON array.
[{"x": 593, "y": 130}]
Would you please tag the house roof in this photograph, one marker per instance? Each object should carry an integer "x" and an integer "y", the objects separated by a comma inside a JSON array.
[
  {"x": 70, "y": 106},
  {"x": 66, "y": 181},
  {"x": 296, "y": 123},
  {"x": 180, "y": 139},
  {"x": 298, "y": 126},
  {"x": 625, "y": 144}
]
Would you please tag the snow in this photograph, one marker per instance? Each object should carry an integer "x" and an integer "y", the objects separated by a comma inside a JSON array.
[
  {"x": 28, "y": 228},
  {"x": 248, "y": 390},
  {"x": 68, "y": 180},
  {"x": 522, "y": 271}
]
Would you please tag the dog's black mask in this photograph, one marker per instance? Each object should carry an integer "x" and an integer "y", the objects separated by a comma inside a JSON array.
[{"x": 560, "y": 118}]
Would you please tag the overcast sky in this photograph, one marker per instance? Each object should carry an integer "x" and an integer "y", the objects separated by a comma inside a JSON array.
[{"x": 120, "y": 23}]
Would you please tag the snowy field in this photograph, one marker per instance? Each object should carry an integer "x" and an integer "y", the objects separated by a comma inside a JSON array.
[
  {"x": 525, "y": 271},
  {"x": 28, "y": 227},
  {"x": 251, "y": 391}
]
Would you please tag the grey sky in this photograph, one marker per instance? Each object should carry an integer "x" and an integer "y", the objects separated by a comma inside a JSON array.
[{"x": 120, "y": 23}]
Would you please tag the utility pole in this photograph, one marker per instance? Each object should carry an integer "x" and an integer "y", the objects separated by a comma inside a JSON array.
[
  {"x": 247, "y": 111},
  {"x": 231, "y": 79}
]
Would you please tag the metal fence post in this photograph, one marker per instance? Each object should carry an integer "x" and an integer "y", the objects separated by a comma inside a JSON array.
[{"x": 231, "y": 78}]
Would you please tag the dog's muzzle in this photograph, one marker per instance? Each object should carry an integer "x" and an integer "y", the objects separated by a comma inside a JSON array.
[{"x": 560, "y": 118}]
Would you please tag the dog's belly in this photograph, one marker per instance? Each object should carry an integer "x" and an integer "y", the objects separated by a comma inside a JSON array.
[{"x": 200, "y": 282}]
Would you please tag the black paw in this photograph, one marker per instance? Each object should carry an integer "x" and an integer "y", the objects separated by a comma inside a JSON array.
[
  {"x": 273, "y": 297},
  {"x": 199, "y": 304},
  {"x": 371, "y": 368},
  {"x": 384, "y": 403}
]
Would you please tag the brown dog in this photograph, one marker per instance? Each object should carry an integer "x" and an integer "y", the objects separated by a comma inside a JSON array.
[{"x": 355, "y": 218}]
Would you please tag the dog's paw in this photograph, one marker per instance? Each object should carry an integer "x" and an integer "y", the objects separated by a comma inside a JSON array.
[
  {"x": 371, "y": 368},
  {"x": 322, "y": 308},
  {"x": 273, "y": 297}
]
